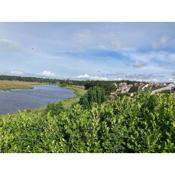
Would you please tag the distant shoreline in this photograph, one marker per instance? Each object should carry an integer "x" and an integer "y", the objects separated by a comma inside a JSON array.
[
  {"x": 12, "y": 84},
  {"x": 36, "y": 99}
]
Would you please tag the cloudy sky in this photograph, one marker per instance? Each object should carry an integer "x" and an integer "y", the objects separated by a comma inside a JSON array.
[{"x": 142, "y": 51}]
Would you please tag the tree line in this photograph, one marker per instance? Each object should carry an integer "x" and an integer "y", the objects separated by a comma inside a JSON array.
[{"x": 29, "y": 79}]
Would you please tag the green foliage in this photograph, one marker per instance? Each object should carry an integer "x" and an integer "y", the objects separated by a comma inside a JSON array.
[
  {"x": 142, "y": 123},
  {"x": 94, "y": 95},
  {"x": 79, "y": 91},
  {"x": 107, "y": 85},
  {"x": 54, "y": 108},
  {"x": 28, "y": 79}
]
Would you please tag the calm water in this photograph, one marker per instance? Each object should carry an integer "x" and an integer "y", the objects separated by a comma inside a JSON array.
[{"x": 13, "y": 100}]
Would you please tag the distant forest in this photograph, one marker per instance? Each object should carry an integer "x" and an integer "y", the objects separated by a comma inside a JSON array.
[
  {"x": 29, "y": 79},
  {"x": 108, "y": 85}
]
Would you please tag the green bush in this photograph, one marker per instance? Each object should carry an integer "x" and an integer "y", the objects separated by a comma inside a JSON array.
[
  {"x": 94, "y": 95},
  {"x": 54, "y": 108},
  {"x": 144, "y": 123}
]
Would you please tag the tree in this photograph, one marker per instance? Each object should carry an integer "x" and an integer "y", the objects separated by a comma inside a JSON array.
[{"x": 94, "y": 95}]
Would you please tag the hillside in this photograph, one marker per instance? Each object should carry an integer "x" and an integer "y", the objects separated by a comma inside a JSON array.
[{"x": 142, "y": 123}]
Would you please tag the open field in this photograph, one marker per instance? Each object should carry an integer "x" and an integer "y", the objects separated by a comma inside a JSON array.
[{"x": 7, "y": 85}]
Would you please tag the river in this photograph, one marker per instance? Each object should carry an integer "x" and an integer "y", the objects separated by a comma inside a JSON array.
[{"x": 18, "y": 99}]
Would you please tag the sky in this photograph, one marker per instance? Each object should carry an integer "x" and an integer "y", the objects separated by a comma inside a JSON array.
[{"x": 104, "y": 51}]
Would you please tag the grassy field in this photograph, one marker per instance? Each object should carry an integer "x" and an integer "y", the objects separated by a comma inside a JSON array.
[
  {"x": 7, "y": 85},
  {"x": 79, "y": 91}
]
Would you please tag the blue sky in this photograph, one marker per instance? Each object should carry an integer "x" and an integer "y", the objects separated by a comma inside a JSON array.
[{"x": 141, "y": 51}]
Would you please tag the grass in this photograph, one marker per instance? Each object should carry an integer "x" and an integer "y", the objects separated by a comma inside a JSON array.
[
  {"x": 7, "y": 85},
  {"x": 79, "y": 91}
]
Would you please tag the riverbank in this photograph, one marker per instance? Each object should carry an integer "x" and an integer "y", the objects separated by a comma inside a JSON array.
[
  {"x": 8, "y": 85},
  {"x": 67, "y": 103},
  {"x": 79, "y": 92}
]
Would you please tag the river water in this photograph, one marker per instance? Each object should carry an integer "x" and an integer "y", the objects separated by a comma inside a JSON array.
[{"x": 14, "y": 100}]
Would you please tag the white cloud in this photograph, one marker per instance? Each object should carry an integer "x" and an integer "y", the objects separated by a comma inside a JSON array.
[
  {"x": 91, "y": 77},
  {"x": 152, "y": 58},
  {"x": 47, "y": 73},
  {"x": 6, "y": 43},
  {"x": 162, "y": 42},
  {"x": 164, "y": 39},
  {"x": 15, "y": 72},
  {"x": 83, "y": 76}
]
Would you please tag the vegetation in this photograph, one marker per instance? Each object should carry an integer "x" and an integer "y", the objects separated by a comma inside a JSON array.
[
  {"x": 27, "y": 79},
  {"x": 90, "y": 122},
  {"x": 79, "y": 91},
  {"x": 94, "y": 95},
  {"x": 90, "y": 83},
  {"x": 54, "y": 108},
  {"x": 142, "y": 123},
  {"x": 106, "y": 85},
  {"x": 6, "y": 85}
]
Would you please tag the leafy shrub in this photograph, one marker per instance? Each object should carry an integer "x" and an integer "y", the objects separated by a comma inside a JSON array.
[
  {"x": 139, "y": 124},
  {"x": 94, "y": 95},
  {"x": 54, "y": 108}
]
